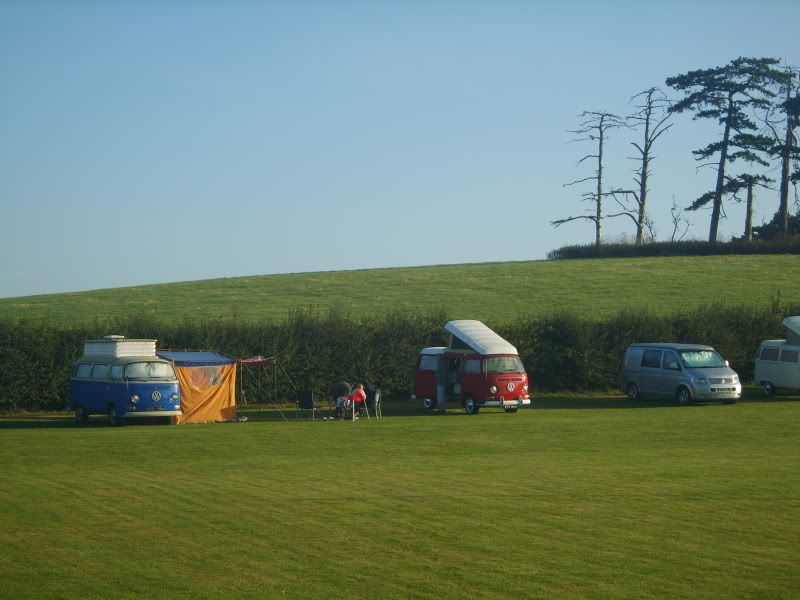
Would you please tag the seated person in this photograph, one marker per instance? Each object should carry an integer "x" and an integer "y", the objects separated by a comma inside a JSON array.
[{"x": 358, "y": 397}]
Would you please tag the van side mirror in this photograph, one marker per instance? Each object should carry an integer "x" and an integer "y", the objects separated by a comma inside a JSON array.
[{"x": 727, "y": 364}]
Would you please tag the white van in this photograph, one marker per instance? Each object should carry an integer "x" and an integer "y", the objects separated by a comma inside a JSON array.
[
  {"x": 778, "y": 361},
  {"x": 686, "y": 372}
]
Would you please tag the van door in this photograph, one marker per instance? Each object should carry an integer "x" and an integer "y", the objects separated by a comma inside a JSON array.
[
  {"x": 118, "y": 393},
  {"x": 789, "y": 369},
  {"x": 650, "y": 372},
  {"x": 671, "y": 374},
  {"x": 453, "y": 386},
  {"x": 473, "y": 381}
]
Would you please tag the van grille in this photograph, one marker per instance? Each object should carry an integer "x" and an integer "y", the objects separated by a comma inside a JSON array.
[{"x": 718, "y": 380}]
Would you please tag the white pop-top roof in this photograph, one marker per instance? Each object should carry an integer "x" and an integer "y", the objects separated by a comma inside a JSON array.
[
  {"x": 792, "y": 325},
  {"x": 479, "y": 337},
  {"x": 116, "y": 346}
]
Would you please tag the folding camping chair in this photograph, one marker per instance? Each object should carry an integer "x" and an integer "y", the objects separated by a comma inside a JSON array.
[
  {"x": 306, "y": 402},
  {"x": 373, "y": 403}
]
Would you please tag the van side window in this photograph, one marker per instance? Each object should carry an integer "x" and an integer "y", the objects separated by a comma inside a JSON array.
[
  {"x": 116, "y": 373},
  {"x": 671, "y": 361},
  {"x": 472, "y": 365},
  {"x": 651, "y": 358},
  {"x": 789, "y": 356},
  {"x": 84, "y": 371},
  {"x": 428, "y": 363},
  {"x": 769, "y": 354},
  {"x": 100, "y": 372}
]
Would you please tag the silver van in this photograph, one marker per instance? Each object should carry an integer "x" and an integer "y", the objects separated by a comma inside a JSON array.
[{"x": 686, "y": 372}]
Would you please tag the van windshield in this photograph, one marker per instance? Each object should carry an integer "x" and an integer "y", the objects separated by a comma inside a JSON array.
[
  {"x": 149, "y": 370},
  {"x": 702, "y": 359},
  {"x": 503, "y": 364}
]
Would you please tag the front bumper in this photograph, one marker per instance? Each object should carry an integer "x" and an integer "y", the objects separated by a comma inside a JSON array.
[
  {"x": 505, "y": 403},
  {"x": 723, "y": 391}
]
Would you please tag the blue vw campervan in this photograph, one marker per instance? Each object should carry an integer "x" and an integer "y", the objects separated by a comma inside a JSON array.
[{"x": 123, "y": 379}]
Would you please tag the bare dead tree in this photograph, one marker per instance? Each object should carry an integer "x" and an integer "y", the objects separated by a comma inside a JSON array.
[
  {"x": 594, "y": 127},
  {"x": 651, "y": 116},
  {"x": 747, "y": 181},
  {"x": 680, "y": 225}
]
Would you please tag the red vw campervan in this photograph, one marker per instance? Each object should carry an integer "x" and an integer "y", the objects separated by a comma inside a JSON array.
[{"x": 479, "y": 368}]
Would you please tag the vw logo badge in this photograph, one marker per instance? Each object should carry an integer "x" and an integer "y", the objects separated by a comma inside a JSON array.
[
  {"x": 156, "y": 396},
  {"x": 510, "y": 387}
]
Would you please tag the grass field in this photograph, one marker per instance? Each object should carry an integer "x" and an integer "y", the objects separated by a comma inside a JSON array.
[
  {"x": 491, "y": 291},
  {"x": 575, "y": 498}
]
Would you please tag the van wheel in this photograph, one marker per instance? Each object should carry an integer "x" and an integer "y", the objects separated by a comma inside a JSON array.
[
  {"x": 428, "y": 403},
  {"x": 511, "y": 409},
  {"x": 684, "y": 396},
  {"x": 113, "y": 419},
  {"x": 470, "y": 407},
  {"x": 633, "y": 391},
  {"x": 81, "y": 416},
  {"x": 768, "y": 387}
]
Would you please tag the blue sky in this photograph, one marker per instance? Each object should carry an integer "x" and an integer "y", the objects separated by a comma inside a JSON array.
[{"x": 150, "y": 142}]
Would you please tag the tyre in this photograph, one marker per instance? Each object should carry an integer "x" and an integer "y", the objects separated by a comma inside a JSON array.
[
  {"x": 81, "y": 416},
  {"x": 684, "y": 396},
  {"x": 470, "y": 407},
  {"x": 768, "y": 387},
  {"x": 633, "y": 391},
  {"x": 510, "y": 409}
]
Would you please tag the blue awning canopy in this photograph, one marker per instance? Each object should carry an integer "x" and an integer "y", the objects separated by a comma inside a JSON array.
[{"x": 196, "y": 359}]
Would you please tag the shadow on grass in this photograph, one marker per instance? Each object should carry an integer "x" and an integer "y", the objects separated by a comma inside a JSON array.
[{"x": 393, "y": 407}]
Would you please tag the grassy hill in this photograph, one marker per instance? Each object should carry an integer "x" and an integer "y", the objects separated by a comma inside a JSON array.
[{"x": 487, "y": 291}]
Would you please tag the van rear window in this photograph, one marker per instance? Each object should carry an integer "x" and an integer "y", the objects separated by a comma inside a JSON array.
[
  {"x": 84, "y": 370},
  {"x": 789, "y": 355},
  {"x": 651, "y": 358},
  {"x": 769, "y": 354},
  {"x": 427, "y": 363}
]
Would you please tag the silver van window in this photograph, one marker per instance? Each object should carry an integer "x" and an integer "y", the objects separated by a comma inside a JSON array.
[
  {"x": 671, "y": 361},
  {"x": 702, "y": 359},
  {"x": 651, "y": 358}
]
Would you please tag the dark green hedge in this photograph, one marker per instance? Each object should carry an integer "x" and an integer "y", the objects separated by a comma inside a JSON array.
[
  {"x": 561, "y": 351},
  {"x": 789, "y": 245}
]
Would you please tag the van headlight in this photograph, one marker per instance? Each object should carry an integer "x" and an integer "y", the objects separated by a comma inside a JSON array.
[
  {"x": 700, "y": 380},
  {"x": 174, "y": 397},
  {"x": 135, "y": 398},
  {"x": 493, "y": 389},
  {"x": 524, "y": 387}
]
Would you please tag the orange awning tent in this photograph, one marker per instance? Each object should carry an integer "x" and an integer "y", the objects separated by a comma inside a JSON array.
[{"x": 208, "y": 385}]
